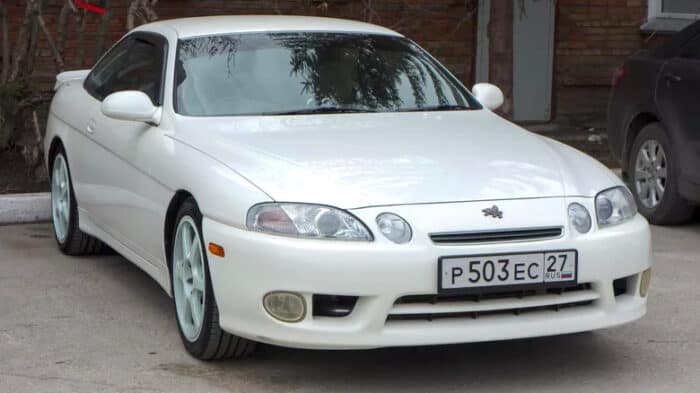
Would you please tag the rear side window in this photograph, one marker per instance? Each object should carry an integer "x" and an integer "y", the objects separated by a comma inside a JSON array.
[{"x": 133, "y": 64}]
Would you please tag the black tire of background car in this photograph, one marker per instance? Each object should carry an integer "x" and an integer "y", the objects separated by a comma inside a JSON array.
[
  {"x": 672, "y": 209},
  {"x": 212, "y": 342},
  {"x": 77, "y": 242}
]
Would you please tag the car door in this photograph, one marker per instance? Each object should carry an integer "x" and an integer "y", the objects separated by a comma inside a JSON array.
[
  {"x": 126, "y": 200},
  {"x": 678, "y": 97}
]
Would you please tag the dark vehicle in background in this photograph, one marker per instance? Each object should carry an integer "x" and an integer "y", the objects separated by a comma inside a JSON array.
[{"x": 654, "y": 127}]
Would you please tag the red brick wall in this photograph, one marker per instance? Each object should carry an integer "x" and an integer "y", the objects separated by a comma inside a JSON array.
[
  {"x": 593, "y": 37},
  {"x": 446, "y": 28}
]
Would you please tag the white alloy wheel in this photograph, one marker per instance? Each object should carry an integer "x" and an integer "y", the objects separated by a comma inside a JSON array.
[
  {"x": 650, "y": 179},
  {"x": 189, "y": 281},
  {"x": 60, "y": 198}
]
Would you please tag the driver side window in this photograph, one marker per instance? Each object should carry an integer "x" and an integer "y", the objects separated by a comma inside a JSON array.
[{"x": 133, "y": 64}]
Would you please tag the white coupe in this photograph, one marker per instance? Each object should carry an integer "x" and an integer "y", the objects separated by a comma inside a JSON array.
[{"x": 323, "y": 183}]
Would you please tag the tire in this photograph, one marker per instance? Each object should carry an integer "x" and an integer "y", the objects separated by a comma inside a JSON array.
[
  {"x": 668, "y": 207},
  {"x": 64, "y": 211},
  {"x": 199, "y": 327}
]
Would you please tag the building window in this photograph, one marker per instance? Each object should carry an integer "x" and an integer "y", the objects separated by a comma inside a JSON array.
[
  {"x": 681, "y": 9},
  {"x": 670, "y": 16}
]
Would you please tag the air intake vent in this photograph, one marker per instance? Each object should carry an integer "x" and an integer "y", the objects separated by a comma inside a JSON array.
[{"x": 497, "y": 236}]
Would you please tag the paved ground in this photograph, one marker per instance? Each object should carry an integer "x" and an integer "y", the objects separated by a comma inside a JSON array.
[{"x": 100, "y": 324}]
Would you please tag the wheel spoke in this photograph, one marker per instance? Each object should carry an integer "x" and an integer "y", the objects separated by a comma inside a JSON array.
[
  {"x": 187, "y": 310},
  {"x": 653, "y": 197},
  {"x": 186, "y": 241},
  {"x": 178, "y": 268},
  {"x": 62, "y": 213},
  {"x": 659, "y": 188},
  {"x": 652, "y": 152},
  {"x": 642, "y": 175},
  {"x": 198, "y": 281},
  {"x": 186, "y": 272},
  {"x": 196, "y": 310},
  {"x": 64, "y": 176},
  {"x": 194, "y": 249},
  {"x": 643, "y": 189},
  {"x": 661, "y": 173},
  {"x": 644, "y": 155}
]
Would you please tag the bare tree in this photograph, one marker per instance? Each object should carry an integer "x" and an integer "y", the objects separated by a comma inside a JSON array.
[
  {"x": 22, "y": 102},
  {"x": 141, "y": 10}
]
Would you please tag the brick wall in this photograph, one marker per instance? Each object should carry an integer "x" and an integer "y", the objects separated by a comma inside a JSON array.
[
  {"x": 446, "y": 28},
  {"x": 593, "y": 37}
]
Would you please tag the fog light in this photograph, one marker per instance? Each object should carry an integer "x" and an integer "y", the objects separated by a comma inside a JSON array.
[
  {"x": 644, "y": 283},
  {"x": 285, "y": 306}
]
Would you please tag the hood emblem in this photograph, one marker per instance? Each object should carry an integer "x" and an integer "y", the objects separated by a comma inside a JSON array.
[{"x": 493, "y": 212}]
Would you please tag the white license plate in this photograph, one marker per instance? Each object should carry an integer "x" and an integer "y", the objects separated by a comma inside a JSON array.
[{"x": 507, "y": 270}]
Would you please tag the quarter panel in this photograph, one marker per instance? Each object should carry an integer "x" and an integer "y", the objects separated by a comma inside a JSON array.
[
  {"x": 633, "y": 96},
  {"x": 68, "y": 125}
]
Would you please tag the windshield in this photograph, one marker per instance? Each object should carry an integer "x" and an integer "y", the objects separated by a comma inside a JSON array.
[{"x": 303, "y": 73}]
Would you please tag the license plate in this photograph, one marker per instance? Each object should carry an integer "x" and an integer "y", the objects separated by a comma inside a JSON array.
[{"x": 507, "y": 270}]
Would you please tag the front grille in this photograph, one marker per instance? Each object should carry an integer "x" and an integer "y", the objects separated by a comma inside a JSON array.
[
  {"x": 496, "y": 236},
  {"x": 430, "y": 307}
]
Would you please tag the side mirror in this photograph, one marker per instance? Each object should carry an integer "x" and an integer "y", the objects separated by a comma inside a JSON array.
[
  {"x": 131, "y": 105},
  {"x": 488, "y": 95}
]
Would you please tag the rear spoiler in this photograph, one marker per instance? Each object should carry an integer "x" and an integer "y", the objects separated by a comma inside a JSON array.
[{"x": 68, "y": 76}]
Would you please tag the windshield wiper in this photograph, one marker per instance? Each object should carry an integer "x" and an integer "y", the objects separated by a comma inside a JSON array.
[
  {"x": 437, "y": 108},
  {"x": 323, "y": 109}
]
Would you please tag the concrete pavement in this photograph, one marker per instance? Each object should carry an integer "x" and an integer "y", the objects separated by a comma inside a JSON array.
[{"x": 99, "y": 324}]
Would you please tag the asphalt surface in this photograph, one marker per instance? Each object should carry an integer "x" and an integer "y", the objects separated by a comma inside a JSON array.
[{"x": 100, "y": 324}]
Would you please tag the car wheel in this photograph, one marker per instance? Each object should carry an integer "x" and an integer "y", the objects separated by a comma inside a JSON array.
[
  {"x": 64, "y": 211},
  {"x": 654, "y": 178},
  {"x": 193, "y": 296}
]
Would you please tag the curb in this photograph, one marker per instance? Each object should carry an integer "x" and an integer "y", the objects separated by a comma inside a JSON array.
[{"x": 25, "y": 208}]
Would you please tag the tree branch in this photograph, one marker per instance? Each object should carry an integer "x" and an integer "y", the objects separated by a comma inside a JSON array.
[
  {"x": 22, "y": 43},
  {"x": 49, "y": 38},
  {"x": 5, "y": 45},
  {"x": 144, "y": 10},
  {"x": 102, "y": 30},
  {"x": 67, "y": 8}
]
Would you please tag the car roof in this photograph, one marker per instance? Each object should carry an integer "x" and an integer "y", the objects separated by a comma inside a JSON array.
[{"x": 214, "y": 25}]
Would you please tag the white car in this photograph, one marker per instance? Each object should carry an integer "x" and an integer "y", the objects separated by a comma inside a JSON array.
[{"x": 323, "y": 183}]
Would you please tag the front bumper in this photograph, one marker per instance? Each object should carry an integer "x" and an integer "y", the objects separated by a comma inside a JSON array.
[{"x": 381, "y": 272}]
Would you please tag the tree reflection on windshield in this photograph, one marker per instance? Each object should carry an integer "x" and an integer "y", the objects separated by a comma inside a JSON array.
[{"x": 286, "y": 73}]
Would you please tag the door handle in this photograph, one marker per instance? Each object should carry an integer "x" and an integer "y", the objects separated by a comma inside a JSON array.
[
  {"x": 672, "y": 78},
  {"x": 90, "y": 128}
]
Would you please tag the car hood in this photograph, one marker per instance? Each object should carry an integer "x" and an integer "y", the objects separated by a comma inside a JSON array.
[{"x": 377, "y": 159}]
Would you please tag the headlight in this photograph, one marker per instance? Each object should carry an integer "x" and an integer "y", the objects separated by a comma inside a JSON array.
[
  {"x": 302, "y": 220},
  {"x": 394, "y": 228},
  {"x": 614, "y": 206},
  {"x": 579, "y": 217}
]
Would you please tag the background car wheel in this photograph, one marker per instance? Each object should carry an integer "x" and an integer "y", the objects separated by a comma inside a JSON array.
[
  {"x": 654, "y": 178},
  {"x": 64, "y": 211},
  {"x": 193, "y": 296}
]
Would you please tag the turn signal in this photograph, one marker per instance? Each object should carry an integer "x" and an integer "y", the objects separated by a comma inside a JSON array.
[
  {"x": 217, "y": 250},
  {"x": 644, "y": 283}
]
